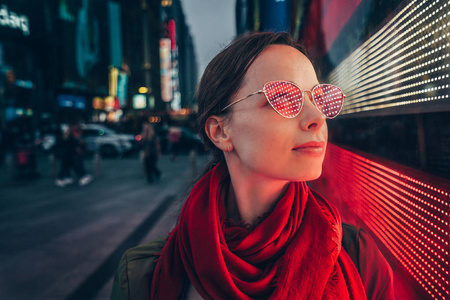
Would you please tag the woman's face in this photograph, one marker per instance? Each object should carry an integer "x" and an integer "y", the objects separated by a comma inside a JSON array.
[{"x": 267, "y": 144}]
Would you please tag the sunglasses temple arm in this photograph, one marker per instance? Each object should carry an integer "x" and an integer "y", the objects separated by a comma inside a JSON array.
[{"x": 239, "y": 100}]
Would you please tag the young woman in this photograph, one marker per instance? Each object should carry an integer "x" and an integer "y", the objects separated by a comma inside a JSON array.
[{"x": 251, "y": 228}]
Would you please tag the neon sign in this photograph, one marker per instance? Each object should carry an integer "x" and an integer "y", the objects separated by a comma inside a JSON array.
[{"x": 14, "y": 21}]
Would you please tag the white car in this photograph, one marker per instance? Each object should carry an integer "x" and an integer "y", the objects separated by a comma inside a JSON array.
[{"x": 107, "y": 142}]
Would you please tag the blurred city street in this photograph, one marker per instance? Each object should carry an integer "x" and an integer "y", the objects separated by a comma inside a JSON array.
[{"x": 65, "y": 243}]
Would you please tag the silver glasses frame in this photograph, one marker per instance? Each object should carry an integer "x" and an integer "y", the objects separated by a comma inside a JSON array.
[{"x": 263, "y": 91}]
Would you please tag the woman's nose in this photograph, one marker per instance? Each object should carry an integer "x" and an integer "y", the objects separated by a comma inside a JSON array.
[{"x": 310, "y": 117}]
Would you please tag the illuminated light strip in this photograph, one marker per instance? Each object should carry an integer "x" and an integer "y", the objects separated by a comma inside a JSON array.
[
  {"x": 389, "y": 190},
  {"x": 394, "y": 104},
  {"x": 420, "y": 250},
  {"x": 386, "y": 99},
  {"x": 382, "y": 78},
  {"x": 399, "y": 177},
  {"x": 399, "y": 202},
  {"x": 360, "y": 56},
  {"x": 401, "y": 236},
  {"x": 397, "y": 82},
  {"x": 402, "y": 215},
  {"x": 367, "y": 80},
  {"x": 399, "y": 188},
  {"x": 421, "y": 218},
  {"x": 374, "y": 87},
  {"x": 400, "y": 103},
  {"x": 369, "y": 183},
  {"x": 373, "y": 65},
  {"x": 398, "y": 206},
  {"x": 392, "y": 31},
  {"x": 358, "y": 62},
  {"x": 395, "y": 251},
  {"x": 399, "y": 184},
  {"x": 372, "y": 62},
  {"x": 373, "y": 40},
  {"x": 359, "y": 82},
  {"x": 369, "y": 69},
  {"x": 361, "y": 53},
  {"x": 394, "y": 174},
  {"x": 409, "y": 62},
  {"x": 405, "y": 261},
  {"x": 419, "y": 208},
  {"x": 357, "y": 100},
  {"x": 404, "y": 95},
  {"x": 395, "y": 237},
  {"x": 391, "y": 91}
]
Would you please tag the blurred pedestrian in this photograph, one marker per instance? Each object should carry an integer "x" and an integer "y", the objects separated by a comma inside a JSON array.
[
  {"x": 251, "y": 227},
  {"x": 151, "y": 151},
  {"x": 24, "y": 146},
  {"x": 174, "y": 140},
  {"x": 72, "y": 149}
]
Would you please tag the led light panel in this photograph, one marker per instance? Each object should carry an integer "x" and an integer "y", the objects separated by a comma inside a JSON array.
[
  {"x": 406, "y": 62},
  {"x": 407, "y": 210}
]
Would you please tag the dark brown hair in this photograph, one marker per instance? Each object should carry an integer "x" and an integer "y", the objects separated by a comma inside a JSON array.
[{"x": 224, "y": 76}]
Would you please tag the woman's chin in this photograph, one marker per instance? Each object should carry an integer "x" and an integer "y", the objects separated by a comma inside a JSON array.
[{"x": 309, "y": 176}]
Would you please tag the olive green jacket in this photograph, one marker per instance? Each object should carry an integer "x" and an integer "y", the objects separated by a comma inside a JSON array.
[{"x": 135, "y": 272}]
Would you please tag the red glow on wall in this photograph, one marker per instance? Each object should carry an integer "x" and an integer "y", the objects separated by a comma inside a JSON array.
[
  {"x": 325, "y": 20},
  {"x": 406, "y": 209}
]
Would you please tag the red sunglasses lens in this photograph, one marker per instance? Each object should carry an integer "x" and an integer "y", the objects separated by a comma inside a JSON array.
[
  {"x": 328, "y": 99},
  {"x": 284, "y": 97}
]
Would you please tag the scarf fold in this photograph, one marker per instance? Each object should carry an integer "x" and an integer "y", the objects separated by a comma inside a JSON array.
[{"x": 294, "y": 253}]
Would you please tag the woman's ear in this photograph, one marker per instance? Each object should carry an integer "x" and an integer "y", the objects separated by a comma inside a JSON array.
[{"x": 217, "y": 132}]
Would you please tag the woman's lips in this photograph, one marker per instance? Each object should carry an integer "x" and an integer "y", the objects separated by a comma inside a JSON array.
[{"x": 312, "y": 147}]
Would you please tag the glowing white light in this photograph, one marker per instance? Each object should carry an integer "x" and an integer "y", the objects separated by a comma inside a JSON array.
[{"x": 397, "y": 64}]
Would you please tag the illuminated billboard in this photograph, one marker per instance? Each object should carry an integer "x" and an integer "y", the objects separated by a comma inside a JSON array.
[
  {"x": 166, "y": 69},
  {"x": 85, "y": 44},
  {"x": 139, "y": 101},
  {"x": 71, "y": 101}
]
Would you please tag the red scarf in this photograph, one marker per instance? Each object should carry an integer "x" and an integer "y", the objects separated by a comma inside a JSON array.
[{"x": 294, "y": 253}]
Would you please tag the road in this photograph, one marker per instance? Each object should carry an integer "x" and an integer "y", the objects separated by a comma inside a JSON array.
[{"x": 65, "y": 243}]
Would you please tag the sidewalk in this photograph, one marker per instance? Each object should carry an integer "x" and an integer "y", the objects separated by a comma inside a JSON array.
[
  {"x": 161, "y": 228},
  {"x": 75, "y": 257},
  {"x": 156, "y": 224}
]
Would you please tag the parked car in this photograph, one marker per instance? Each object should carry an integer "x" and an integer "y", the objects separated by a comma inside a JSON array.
[
  {"x": 107, "y": 141},
  {"x": 188, "y": 140}
]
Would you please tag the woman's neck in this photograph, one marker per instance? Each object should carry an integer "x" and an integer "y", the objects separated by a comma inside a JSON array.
[{"x": 250, "y": 196}]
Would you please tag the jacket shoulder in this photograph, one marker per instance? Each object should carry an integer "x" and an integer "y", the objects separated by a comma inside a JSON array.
[
  {"x": 135, "y": 272},
  {"x": 146, "y": 250},
  {"x": 374, "y": 270},
  {"x": 350, "y": 237}
]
